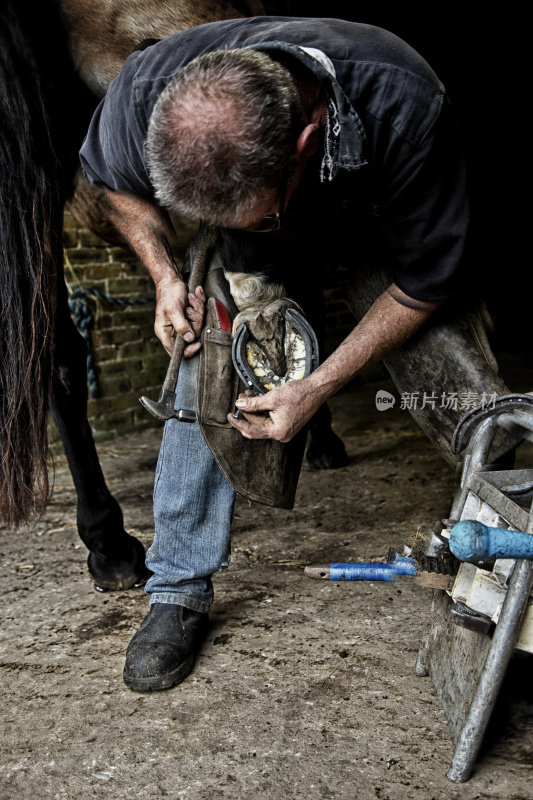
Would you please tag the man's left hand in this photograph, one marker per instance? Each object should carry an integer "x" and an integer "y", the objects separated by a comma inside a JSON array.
[{"x": 279, "y": 414}]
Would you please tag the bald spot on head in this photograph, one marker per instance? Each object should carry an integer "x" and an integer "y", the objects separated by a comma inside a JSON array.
[{"x": 221, "y": 135}]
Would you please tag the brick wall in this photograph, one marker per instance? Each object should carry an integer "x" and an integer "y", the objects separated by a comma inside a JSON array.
[{"x": 129, "y": 360}]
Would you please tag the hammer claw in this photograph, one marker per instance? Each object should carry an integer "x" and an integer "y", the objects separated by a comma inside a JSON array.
[{"x": 163, "y": 409}]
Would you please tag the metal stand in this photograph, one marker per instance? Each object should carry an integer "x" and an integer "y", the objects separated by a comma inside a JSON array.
[{"x": 465, "y": 652}]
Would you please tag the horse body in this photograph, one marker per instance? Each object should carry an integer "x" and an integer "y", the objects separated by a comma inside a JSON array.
[
  {"x": 102, "y": 33},
  {"x": 45, "y": 111}
]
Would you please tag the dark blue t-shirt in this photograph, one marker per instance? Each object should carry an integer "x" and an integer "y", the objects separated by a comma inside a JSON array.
[{"x": 390, "y": 165}]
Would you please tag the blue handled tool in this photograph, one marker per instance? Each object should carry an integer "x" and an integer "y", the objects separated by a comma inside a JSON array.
[
  {"x": 363, "y": 572},
  {"x": 358, "y": 571},
  {"x": 473, "y": 541}
]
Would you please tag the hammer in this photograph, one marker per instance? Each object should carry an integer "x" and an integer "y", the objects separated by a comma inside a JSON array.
[{"x": 163, "y": 409}]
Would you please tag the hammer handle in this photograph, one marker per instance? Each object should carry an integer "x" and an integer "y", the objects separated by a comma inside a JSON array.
[
  {"x": 473, "y": 541},
  {"x": 171, "y": 378},
  {"x": 199, "y": 250}
]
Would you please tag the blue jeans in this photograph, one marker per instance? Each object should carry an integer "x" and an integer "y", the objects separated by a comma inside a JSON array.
[{"x": 193, "y": 508}]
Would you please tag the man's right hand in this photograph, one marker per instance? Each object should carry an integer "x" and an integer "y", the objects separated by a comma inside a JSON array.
[
  {"x": 147, "y": 229},
  {"x": 178, "y": 311}
]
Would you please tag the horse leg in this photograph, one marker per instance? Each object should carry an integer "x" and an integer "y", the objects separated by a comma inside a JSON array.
[
  {"x": 325, "y": 449},
  {"x": 449, "y": 358},
  {"x": 260, "y": 272},
  {"x": 116, "y": 559}
]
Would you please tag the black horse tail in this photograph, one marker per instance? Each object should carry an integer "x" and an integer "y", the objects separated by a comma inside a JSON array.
[
  {"x": 40, "y": 104},
  {"x": 29, "y": 199}
]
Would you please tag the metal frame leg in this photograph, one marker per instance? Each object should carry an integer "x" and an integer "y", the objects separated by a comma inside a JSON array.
[{"x": 493, "y": 672}]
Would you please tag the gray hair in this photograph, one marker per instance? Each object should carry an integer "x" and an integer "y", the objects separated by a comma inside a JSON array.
[{"x": 222, "y": 133}]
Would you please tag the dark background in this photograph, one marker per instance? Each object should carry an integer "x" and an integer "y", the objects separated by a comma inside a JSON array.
[{"x": 476, "y": 50}]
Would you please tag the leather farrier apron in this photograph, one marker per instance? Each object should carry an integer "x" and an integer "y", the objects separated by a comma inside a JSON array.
[{"x": 261, "y": 470}]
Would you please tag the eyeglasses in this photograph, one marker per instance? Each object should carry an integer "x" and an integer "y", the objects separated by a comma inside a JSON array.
[{"x": 272, "y": 222}]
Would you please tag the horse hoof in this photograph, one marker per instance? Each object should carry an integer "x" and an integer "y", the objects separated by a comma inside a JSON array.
[
  {"x": 103, "y": 589},
  {"x": 127, "y": 572},
  {"x": 326, "y": 452}
]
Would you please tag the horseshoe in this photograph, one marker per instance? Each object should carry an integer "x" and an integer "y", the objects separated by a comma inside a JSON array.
[
  {"x": 507, "y": 402},
  {"x": 251, "y": 362}
]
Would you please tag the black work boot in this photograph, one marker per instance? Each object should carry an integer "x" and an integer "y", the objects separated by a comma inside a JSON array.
[{"x": 162, "y": 652}]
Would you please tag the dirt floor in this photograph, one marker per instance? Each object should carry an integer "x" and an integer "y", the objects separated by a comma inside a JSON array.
[{"x": 304, "y": 689}]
